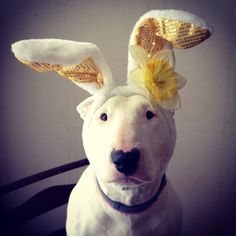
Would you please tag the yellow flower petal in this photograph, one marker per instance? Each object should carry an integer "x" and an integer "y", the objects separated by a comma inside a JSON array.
[
  {"x": 172, "y": 103},
  {"x": 136, "y": 77},
  {"x": 181, "y": 81},
  {"x": 139, "y": 55},
  {"x": 161, "y": 67},
  {"x": 165, "y": 55}
]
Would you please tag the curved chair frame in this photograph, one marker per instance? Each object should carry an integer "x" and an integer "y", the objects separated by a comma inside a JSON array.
[{"x": 42, "y": 202}]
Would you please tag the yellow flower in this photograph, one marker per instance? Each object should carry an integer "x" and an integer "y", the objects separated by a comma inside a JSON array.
[
  {"x": 157, "y": 74},
  {"x": 162, "y": 84}
]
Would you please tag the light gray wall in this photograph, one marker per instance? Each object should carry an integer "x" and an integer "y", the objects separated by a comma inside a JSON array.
[{"x": 40, "y": 128}]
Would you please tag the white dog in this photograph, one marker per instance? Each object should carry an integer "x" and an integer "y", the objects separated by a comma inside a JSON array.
[
  {"x": 129, "y": 132},
  {"x": 129, "y": 142}
]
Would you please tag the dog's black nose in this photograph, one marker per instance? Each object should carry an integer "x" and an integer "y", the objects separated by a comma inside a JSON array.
[{"x": 126, "y": 162}]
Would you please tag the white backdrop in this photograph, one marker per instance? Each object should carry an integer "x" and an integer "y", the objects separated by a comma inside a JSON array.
[{"x": 40, "y": 128}]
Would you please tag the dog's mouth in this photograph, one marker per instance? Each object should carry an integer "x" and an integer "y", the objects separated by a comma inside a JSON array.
[
  {"x": 129, "y": 182},
  {"x": 135, "y": 180}
]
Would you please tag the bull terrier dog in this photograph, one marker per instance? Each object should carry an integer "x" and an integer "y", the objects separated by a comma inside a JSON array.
[{"x": 129, "y": 131}]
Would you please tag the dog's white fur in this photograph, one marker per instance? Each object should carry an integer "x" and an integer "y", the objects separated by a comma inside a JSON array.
[{"x": 127, "y": 127}]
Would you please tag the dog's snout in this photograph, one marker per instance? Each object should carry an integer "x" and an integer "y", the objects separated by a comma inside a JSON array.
[{"x": 126, "y": 162}]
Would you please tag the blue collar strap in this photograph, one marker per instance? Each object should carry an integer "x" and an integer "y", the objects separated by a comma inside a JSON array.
[{"x": 136, "y": 208}]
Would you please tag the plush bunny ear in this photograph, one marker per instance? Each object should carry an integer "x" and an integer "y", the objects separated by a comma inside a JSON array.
[
  {"x": 158, "y": 27},
  {"x": 82, "y": 63},
  {"x": 151, "y": 58}
]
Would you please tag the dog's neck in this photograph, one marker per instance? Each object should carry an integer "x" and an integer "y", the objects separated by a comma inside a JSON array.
[{"x": 145, "y": 194}]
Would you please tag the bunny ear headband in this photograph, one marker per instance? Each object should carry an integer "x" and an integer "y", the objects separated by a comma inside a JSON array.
[{"x": 151, "y": 58}]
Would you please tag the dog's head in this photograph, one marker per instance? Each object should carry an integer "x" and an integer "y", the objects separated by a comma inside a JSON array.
[
  {"x": 127, "y": 137},
  {"x": 129, "y": 132}
]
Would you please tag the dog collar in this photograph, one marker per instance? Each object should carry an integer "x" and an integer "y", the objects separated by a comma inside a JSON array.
[{"x": 136, "y": 208}]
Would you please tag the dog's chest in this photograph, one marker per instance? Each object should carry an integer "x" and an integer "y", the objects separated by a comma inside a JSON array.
[{"x": 122, "y": 225}]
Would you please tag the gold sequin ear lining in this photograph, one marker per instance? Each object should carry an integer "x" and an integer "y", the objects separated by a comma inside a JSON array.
[
  {"x": 41, "y": 66},
  {"x": 85, "y": 72},
  {"x": 152, "y": 34}
]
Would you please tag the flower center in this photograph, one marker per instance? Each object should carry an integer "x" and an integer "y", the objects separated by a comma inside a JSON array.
[
  {"x": 160, "y": 79},
  {"x": 161, "y": 83}
]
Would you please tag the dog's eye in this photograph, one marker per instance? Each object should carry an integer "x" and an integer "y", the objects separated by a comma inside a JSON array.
[
  {"x": 103, "y": 117},
  {"x": 149, "y": 115}
]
